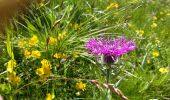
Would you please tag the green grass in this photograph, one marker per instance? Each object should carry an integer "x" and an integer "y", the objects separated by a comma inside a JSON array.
[{"x": 137, "y": 74}]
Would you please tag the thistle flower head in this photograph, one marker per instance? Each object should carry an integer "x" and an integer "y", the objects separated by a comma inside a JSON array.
[{"x": 110, "y": 48}]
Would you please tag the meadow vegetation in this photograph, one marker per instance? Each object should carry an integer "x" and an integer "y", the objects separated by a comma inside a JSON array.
[{"x": 45, "y": 55}]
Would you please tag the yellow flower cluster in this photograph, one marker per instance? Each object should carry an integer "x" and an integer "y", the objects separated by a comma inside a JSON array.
[
  {"x": 75, "y": 55},
  {"x": 21, "y": 43},
  {"x": 45, "y": 70},
  {"x": 10, "y": 65},
  {"x": 52, "y": 40},
  {"x": 13, "y": 78},
  {"x": 33, "y": 41},
  {"x": 112, "y": 5},
  {"x": 163, "y": 70},
  {"x": 60, "y": 56},
  {"x": 80, "y": 86},
  {"x": 34, "y": 54},
  {"x": 62, "y": 35},
  {"x": 27, "y": 54},
  {"x": 140, "y": 32}
]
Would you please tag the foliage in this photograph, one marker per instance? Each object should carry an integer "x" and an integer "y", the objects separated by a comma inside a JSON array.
[{"x": 44, "y": 55}]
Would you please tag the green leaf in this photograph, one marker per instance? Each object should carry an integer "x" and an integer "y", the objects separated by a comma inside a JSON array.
[{"x": 9, "y": 45}]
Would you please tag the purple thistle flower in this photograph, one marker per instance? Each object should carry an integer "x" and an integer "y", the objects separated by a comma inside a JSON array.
[{"x": 110, "y": 48}]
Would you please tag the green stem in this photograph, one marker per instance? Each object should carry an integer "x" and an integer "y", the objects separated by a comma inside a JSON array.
[
  {"x": 107, "y": 81},
  {"x": 108, "y": 75}
]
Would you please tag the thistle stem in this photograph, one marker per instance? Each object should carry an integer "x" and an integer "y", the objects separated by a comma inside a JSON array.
[
  {"x": 108, "y": 75},
  {"x": 108, "y": 80}
]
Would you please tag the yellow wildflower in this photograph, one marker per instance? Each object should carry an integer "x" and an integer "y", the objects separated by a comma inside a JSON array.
[
  {"x": 52, "y": 40},
  {"x": 47, "y": 70},
  {"x": 75, "y": 55},
  {"x": 40, "y": 71},
  {"x": 21, "y": 43},
  {"x": 154, "y": 18},
  {"x": 112, "y": 5},
  {"x": 44, "y": 72},
  {"x": 27, "y": 53},
  {"x": 154, "y": 25},
  {"x": 33, "y": 40},
  {"x": 57, "y": 55},
  {"x": 80, "y": 86},
  {"x": 35, "y": 54},
  {"x": 140, "y": 32},
  {"x": 13, "y": 78},
  {"x": 62, "y": 35},
  {"x": 45, "y": 62},
  {"x": 163, "y": 70},
  {"x": 50, "y": 97},
  {"x": 60, "y": 56},
  {"x": 155, "y": 53},
  {"x": 10, "y": 65}
]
